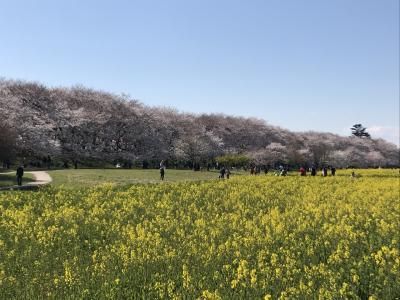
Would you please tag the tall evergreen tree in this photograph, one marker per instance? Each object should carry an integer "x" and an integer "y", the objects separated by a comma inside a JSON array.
[{"x": 360, "y": 131}]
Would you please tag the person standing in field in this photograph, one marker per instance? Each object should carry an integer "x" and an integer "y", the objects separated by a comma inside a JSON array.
[
  {"x": 162, "y": 170},
  {"x": 313, "y": 171},
  {"x": 333, "y": 171},
  {"x": 303, "y": 172},
  {"x": 20, "y": 173},
  {"x": 324, "y": 171},
  {"x": 228, "y": 173},
  {"x": 222, "y": 172}
]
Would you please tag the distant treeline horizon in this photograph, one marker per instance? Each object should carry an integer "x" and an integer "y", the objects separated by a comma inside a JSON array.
[{"x": 79, "y": 125}]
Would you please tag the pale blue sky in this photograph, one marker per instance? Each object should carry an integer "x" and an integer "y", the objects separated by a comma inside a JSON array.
[{"x": 303, "y": 65}]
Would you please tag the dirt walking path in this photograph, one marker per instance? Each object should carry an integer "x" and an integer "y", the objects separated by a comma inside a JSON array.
[{"x": 41, "y": 177}]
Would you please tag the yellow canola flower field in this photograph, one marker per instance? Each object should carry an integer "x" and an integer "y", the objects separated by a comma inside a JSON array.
[{"x": 250, "y": 237}]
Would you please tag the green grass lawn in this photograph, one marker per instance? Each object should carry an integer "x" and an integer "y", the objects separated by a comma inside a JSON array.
[
  {"x": 90, "y": 177},
  {"x": 82, "y": 178},
  {"x": 10, "y": 179}
]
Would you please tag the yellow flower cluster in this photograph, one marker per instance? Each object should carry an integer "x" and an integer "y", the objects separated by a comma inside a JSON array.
[{"x": 248, "y": 237}]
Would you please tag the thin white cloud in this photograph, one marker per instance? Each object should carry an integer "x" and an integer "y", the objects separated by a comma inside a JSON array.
[{"x": 389, "y": 133}]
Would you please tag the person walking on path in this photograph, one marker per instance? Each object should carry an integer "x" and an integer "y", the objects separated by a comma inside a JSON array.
[
  {"x": 162, "y": 170},
  {"x": 20, "y": 173}
]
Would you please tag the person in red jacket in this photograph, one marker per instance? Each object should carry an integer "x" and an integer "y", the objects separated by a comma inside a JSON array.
[{"x": 303, "y": 171}]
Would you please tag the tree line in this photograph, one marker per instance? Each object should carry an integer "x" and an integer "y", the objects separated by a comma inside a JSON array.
[{"x": 66, "y": 126}]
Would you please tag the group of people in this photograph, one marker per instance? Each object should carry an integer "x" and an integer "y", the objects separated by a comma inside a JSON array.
[
  {"x": 283, "y": 171},
  {"x": 255, "y": 170},
  {"x": 313, "y": 171},
  {"x": 224, "y": 173}
]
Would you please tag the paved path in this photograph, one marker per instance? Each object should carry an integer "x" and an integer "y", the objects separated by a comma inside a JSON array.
[{"x": 41, "y": 177}]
